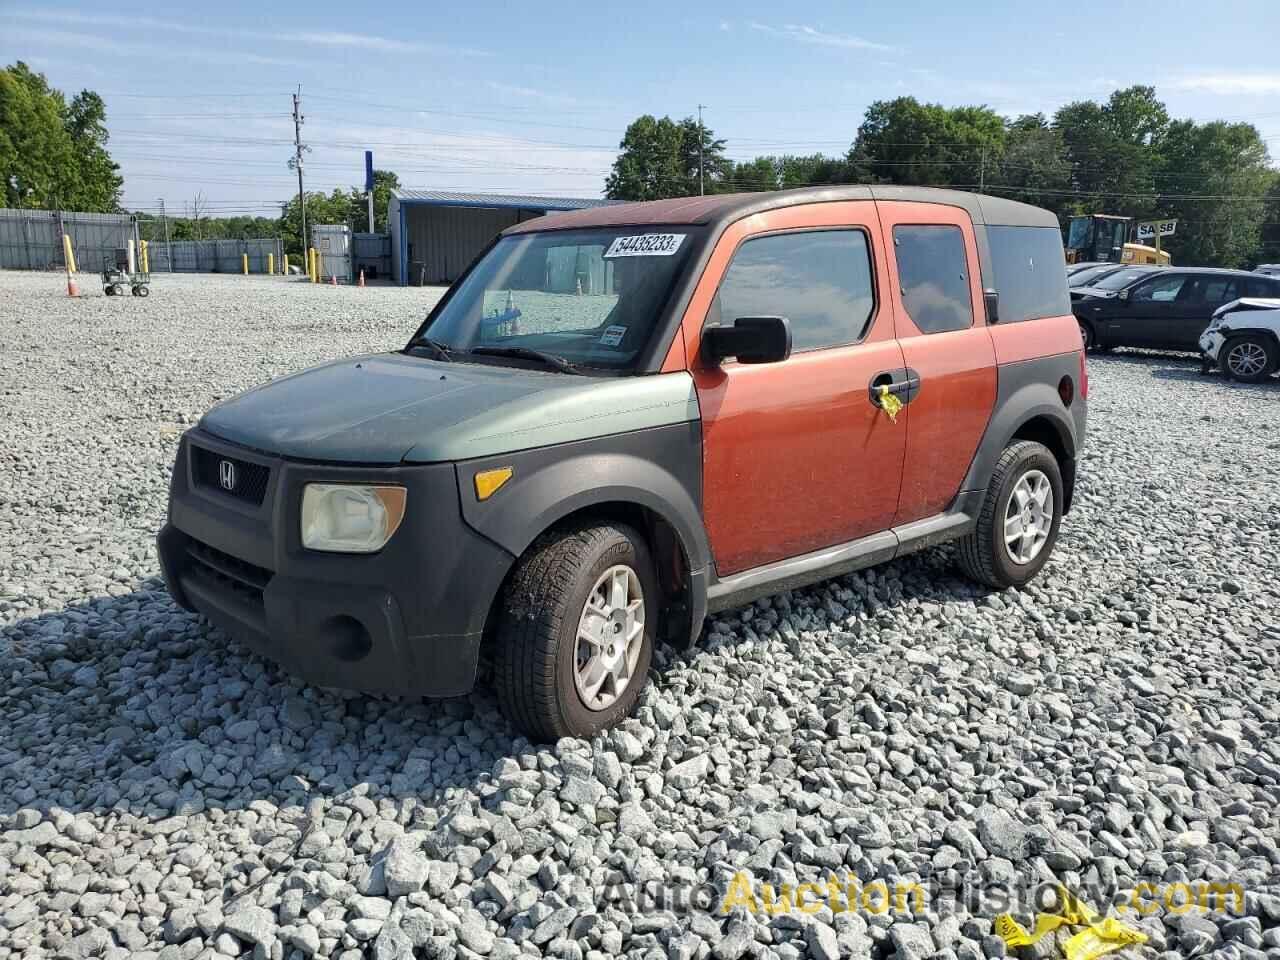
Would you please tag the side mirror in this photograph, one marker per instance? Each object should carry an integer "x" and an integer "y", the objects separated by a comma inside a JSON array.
[
  {"x": 993, "y": 305},
  {"x": 1124, "y": 295},
  {"x": 750, "y": 340}
]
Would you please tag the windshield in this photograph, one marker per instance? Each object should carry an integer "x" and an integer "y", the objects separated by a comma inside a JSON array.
[
  {"x": 1090, "y": 276},
  {"x": 1120, "y": 279},
  {"x": 589, "y": 297},
  {"x": 1080, "y": 233}
]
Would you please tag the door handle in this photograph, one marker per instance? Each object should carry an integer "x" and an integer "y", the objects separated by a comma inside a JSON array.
[{"x": 904, "y": 384}]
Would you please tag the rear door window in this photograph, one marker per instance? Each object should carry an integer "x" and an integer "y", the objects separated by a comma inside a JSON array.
[
  {"x": 819, "y": 280},
  {"x": 1161, "y": 290},
  {"x": 933, "y": 274},
  {"x": 1218, "y": 290},
  {"x": 1029, "y": 273},
  {"x": 1262, "y": 287}
]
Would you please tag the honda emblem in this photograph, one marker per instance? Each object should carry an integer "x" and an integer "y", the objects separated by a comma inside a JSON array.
[{"x": 227, "y": 474}]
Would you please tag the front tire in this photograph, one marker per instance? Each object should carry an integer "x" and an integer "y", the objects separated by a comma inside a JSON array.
[
  {"x": 1087, "y": 338},
  {"x": 576, "y": 636},
  {"x": 1248, "y": 359},
  {"x": 1018, "y": 524}
]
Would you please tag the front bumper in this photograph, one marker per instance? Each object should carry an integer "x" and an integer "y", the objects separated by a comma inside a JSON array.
[
  {"x": 407, "y": 620},
  {"x": 1211, "y": 342}
]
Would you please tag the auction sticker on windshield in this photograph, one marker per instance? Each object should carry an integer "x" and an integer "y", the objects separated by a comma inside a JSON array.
[
  {"x": 612, "y": 336},
  {"x": 645, "y": 245}
]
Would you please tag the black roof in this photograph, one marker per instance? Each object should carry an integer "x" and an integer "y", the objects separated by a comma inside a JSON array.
[{"x": 720, "y": 209}]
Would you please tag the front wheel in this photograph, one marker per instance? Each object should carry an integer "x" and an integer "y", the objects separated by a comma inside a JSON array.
[
  {"x": 1248, "y": 359},
  {"x": 576, "y": 635},
  {"x": 1087, "y": 338},
  {"x": 1018, "y": 524}
]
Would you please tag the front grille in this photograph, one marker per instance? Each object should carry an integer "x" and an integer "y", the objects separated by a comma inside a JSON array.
[
  {"x": 230, "y": 573},
  {"x": 236, "y": 478}
]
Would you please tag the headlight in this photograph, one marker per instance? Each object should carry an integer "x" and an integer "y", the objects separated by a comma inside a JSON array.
[{"x": 346, "y": 518}]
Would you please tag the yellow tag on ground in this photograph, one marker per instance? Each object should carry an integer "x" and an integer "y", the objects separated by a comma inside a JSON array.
[
  {"x": 1013, "y": 934},
  {"x": 889, "y": 403},
  {"x": 1102, "y": 936}
]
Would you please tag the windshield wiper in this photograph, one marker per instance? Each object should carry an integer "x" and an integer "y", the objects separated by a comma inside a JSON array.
[
  {"x": 528, "y": 353},
  {"x": 441, "y": 351}
]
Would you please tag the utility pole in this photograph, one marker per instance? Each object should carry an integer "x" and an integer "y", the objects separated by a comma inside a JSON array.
[
  {"x": 982, "y": 171},
  {"x": 297, "y": 162},
  {"x": 168, "y": 247},
  {"x": 701, "y": 137}
]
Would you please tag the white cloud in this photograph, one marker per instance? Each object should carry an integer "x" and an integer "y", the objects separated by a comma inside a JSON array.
[
  {"x": 726, "y": 26},
  {"x": 317, "y": 38},
  {"x": 357, "y": 40},
  {"x": 1228, "y": 84},
  {"x": 530, "y": 93},
  {"x": 807, "y": 34},
  {"x": 107, "y": 44}
]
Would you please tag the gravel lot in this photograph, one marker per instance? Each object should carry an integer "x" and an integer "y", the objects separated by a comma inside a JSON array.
[{"x": 163, "y": 793}]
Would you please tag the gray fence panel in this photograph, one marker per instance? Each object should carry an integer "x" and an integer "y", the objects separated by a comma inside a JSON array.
[
  {"x": 32, "y": 239},
  {"x": 215, "y": 256}
]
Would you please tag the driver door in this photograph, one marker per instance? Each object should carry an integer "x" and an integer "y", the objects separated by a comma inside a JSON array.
[{"x": 796, "y": 455}]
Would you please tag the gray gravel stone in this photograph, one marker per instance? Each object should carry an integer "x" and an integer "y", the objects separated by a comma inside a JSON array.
[{"x": 1111, "y": 723}]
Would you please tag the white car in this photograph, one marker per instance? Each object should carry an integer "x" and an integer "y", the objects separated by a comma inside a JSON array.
[{"x": 1243, "y": 339}]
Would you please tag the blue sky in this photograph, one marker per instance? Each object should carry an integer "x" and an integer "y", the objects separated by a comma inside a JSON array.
[{"x": 535, "y": 97}]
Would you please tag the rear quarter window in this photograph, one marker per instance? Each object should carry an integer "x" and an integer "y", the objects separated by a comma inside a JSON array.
[
  {"x": 934, "y": 276},
  {"x": 1030, "y": 272}
]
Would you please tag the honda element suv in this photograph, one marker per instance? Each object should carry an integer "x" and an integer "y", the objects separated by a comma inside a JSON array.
[{"x": 619, "y": 420}]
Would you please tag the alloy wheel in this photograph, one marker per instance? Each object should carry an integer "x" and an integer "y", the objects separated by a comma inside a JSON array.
[
  {"x": 610, "y": 636},
  {"x": 1247, "y": 359},
  {"x": 1028, "y": 517}
]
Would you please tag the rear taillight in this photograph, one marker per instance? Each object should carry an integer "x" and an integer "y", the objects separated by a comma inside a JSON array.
[{"x": 1084, "y": 377}]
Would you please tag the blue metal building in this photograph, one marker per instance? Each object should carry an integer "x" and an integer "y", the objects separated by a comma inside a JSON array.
[{"x": 436, "y": 234}]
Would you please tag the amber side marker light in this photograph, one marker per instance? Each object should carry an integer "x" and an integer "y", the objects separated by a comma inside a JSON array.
[{"x": 489, "y": 482}]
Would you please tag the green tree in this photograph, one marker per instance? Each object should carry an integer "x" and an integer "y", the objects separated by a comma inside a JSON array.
[
  {"x": 53, "y": 154},
  {"x": 100, "y": 180},
  {"x": 1269, "y": 247},
  {"x": 1033, "y": 167},
  {"x": 322, "y": 208},
  {"x": 905, "y": 141},
  {"x": 384, "y": 181},
  {"x": 1217, "y": 179},
  {"x": 782, "y": 173},
  {"x": 659, "y": 159},
  {"x": 1113, "y": 150}
]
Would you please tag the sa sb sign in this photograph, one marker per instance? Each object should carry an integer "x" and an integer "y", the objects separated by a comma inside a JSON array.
[{"x": 1153, "y": 228}]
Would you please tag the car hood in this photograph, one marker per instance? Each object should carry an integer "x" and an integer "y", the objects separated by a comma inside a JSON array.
[{"x": 392, "y": 408}]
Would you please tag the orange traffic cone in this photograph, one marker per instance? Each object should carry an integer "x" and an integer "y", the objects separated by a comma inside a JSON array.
[
  {"x": 362, "y": 278},
  {"x": 333, "y": 279}
]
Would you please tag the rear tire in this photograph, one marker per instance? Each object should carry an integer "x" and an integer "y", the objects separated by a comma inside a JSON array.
[
  {"x": 1018, "y": 524},
  {"x": 1248, "y": 359},
  {"x": 559, "y": 634}
]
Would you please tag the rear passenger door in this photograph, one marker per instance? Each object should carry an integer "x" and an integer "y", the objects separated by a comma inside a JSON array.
[
  {"x": 1210, "y": 292},
  {"x": 796, "y": 456},
  {"x": 940, "y": 318}
]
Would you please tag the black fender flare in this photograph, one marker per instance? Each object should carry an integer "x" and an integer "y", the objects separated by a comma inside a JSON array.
[
  {"x": 659, "y": 470},
  {"x": 1024, "y": 395}
]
